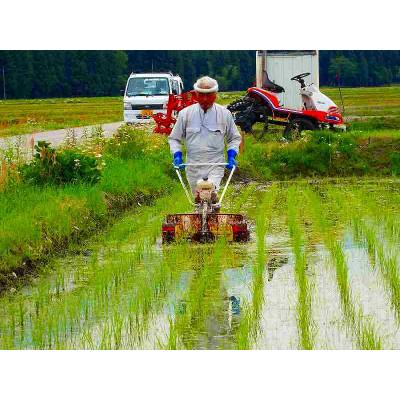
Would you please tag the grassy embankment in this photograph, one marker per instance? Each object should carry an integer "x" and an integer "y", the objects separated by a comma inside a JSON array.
[{"x": 38, "y": 219}]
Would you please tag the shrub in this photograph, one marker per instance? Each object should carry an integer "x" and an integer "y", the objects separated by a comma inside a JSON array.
[
  {"x": 60, "y": 167},
  {"x": 321, "y": 153}
]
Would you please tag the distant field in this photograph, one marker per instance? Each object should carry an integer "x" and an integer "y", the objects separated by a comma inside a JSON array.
[
  {"x": 28, "y": 116},
  {"x": 365, "y": 108}
]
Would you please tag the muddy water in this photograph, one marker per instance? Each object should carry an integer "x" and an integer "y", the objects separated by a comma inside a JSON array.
[{"x": 124, "y": 290}]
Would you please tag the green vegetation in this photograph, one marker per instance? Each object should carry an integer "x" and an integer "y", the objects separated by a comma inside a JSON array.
[
  {"x": 61, "y": 167},
  {"x": 37, "y": 220},
  {"x": 323, "y": 153}
]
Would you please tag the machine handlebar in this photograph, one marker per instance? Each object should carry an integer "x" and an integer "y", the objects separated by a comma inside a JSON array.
[
  {"x": 200, "y": 165},
  {"x": 203, "y": 164}
]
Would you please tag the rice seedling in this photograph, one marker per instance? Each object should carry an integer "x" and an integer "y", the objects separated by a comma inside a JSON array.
[
  {"x": 200, "y": 298},
  {"x": 357, "y": 206},
  {"x": 249, "y": 325},
  {"x": 304, "y": 315},
  {"x": 362, "y": 329}
]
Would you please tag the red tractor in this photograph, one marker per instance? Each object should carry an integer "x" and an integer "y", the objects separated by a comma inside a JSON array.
[{"x": 262, "y": 105}]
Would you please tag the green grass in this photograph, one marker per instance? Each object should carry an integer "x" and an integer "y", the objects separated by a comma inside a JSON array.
[
  {"x": 367, "y": 101},
  {"x": 323, "y": 154}
]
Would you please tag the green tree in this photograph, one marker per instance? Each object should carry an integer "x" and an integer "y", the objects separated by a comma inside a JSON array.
[{"x": 343, "y": 70}]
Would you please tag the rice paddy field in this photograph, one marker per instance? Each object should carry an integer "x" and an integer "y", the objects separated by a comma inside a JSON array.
[
  {"x": 30, "y": 116},
  {"x": 321, "y": 272}
]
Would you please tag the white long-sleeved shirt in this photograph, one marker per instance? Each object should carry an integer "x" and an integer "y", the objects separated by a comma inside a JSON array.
[{"x": 205, "y": 133}]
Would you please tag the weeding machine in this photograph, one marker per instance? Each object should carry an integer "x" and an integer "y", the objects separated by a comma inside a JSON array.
[
  {"x": 206, "y": 223},
  {"x": 262, "y": 105}
]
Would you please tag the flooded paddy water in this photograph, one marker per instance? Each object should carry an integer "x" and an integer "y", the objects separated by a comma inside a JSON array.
[{"x": 321, "y": 272}]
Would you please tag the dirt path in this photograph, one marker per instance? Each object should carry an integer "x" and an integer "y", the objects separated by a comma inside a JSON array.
[{"x": 56, "y": 137}]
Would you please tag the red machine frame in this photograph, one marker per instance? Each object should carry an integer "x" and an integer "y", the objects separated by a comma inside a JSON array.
[{"x": 176, "y": 102}]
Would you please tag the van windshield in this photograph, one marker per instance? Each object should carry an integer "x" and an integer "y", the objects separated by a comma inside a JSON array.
[{"x": 147, "y": 87}]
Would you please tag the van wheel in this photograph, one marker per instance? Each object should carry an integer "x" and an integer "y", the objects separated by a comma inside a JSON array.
[{"x": 296, "y": 126}]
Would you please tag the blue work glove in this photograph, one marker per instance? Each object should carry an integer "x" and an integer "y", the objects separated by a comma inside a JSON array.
[
  {"x": 231, "y": 159},
  {"x": 178, "y": 160}
]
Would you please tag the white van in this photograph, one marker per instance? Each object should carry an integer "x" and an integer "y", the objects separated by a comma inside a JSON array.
[{"x": 147, "y": 94}]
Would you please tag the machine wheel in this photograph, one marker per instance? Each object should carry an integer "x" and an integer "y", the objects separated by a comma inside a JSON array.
[
  {"x": 168, "y": 233},
  {"x": 243, "y": 113},
  {"x": 239, "y": 104},
  {"x": 296, "y": 126}
]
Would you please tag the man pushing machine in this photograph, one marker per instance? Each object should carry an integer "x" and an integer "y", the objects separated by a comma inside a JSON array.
[{"x": 203, "y": 127}]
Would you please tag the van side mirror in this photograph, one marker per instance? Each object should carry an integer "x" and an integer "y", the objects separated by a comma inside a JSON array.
[{"x": 122, "y": 91}]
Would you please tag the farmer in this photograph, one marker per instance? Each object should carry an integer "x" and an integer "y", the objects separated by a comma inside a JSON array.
[{"x": 204, "y": 126}]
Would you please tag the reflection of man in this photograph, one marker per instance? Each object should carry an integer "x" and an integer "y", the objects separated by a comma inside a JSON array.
[{"x": 204, "y": 128}]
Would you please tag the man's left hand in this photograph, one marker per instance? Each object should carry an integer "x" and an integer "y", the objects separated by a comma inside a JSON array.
[{"x": 231, "y": 159}]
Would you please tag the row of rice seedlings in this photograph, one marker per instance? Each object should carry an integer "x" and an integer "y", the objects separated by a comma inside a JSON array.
[
  {"x": 159, "y": 275},
  {"x": 354, "y": 205},
  {"x": 146, "y": 292},
  {"x": 128, "y": 320},
  {"x": 202, "y": 298},
  {"x": 51, "y": 321},
  {"x": 363, "y": 330},
  {"x": 383, "y": 207},
  {"x": 244, "y": 197},
  {"x": 305, "y": 323},
  {"x": 249, "y": 326}
]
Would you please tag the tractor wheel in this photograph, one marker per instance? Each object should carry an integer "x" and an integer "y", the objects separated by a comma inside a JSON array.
[
  {"x": 296, "y": 126},
  {"x": 241, "y": 110},
  {"x": 239, "y": 104}
]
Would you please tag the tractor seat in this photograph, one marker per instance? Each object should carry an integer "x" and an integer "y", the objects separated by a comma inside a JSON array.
[{"x": 271, "y": 86}]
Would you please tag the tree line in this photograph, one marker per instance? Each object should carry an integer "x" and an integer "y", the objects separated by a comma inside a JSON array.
[{"x": 41, "y": 74}]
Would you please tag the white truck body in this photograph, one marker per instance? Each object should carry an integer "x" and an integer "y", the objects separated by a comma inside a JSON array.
[
  {"x": 281, "y": 66},
  {"x": 147, "y": 94}
]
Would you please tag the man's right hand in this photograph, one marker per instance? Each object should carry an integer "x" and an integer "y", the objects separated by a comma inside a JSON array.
[{"x": 178, "y": 160}]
